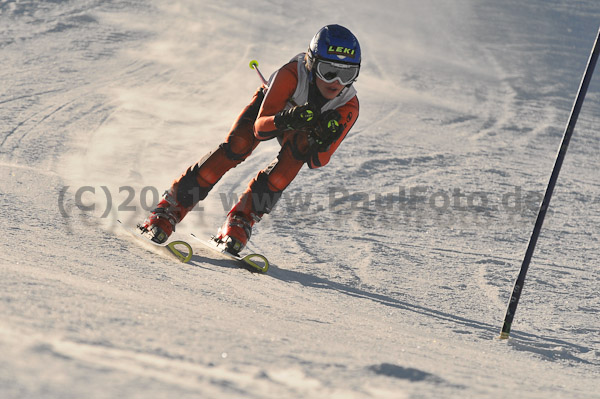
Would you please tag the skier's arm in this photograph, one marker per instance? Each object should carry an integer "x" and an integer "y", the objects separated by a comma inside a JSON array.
[
  {"x": 349, "y": 114},
  {"x": 282, "y": 88}
]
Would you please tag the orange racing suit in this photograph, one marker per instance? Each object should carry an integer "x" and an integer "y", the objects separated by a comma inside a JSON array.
[{"x": 290, "y": 83}]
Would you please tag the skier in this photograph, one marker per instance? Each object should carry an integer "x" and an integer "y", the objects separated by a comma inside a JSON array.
[{"x": 309, "y": 105}]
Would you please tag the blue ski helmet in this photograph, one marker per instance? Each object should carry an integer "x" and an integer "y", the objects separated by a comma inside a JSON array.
[{"x": 333, "y": 43}]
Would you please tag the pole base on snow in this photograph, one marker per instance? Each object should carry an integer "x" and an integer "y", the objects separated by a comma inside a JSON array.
[{"x": 516, "y": 294}]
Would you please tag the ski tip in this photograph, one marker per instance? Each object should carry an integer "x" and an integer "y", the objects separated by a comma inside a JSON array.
[
  {"x": 185, "y": 258},
  {"x": 257, "y": 262}
]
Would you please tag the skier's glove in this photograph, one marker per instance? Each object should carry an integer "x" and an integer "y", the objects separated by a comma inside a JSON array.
[
  {"x": 299, "y": 117},
  {"x": 326, "y": 130}
]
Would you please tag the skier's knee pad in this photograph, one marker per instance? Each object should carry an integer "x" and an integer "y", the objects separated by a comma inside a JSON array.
[
  {"x": 298, "y": 145},
  {"x": 238, "y": 148}
]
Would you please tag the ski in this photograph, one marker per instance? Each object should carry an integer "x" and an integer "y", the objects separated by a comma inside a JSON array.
[
  {"x": 253, "y": 262},
  {"x": 172, "y": 247}
]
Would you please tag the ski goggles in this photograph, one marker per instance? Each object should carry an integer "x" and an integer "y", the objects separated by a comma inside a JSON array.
[{"x": 331, "y": 71}]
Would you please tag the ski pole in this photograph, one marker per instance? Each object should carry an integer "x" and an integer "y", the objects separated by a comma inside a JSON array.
[
  {"x": 254, "y": 65},
  {"x": 516, "y": 294}
]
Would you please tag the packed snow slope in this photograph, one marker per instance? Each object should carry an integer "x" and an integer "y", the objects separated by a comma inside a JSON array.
[{"x": 391, "y": 267}]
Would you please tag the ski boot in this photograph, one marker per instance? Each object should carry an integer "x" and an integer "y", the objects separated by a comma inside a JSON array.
[
  {"x": 160, "y": 224},
  {"x": 236, "y": 231}
]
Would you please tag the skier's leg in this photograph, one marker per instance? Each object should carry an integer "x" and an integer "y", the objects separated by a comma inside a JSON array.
[
  {"x": 197, "y": 181},
  {"x": 263, "y": 192},
  {"x": 195, "y": 184}
]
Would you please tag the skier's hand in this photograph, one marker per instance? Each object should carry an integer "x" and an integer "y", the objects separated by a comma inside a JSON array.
[
  {"x": 327, "y": 130},
  {"x": 299, "y": 117}
]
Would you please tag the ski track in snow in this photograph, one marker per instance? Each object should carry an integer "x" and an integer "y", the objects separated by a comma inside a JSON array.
[{"x": 391, "y": 266}]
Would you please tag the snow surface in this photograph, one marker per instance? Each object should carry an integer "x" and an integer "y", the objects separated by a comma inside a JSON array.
[{"x": 392, "y": 266}]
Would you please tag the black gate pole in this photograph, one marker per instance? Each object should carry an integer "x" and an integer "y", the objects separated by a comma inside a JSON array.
[{"x": 516, "y": 294}]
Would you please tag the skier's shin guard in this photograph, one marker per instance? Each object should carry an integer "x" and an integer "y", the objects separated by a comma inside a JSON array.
[{"x": 264, "y": 198}]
